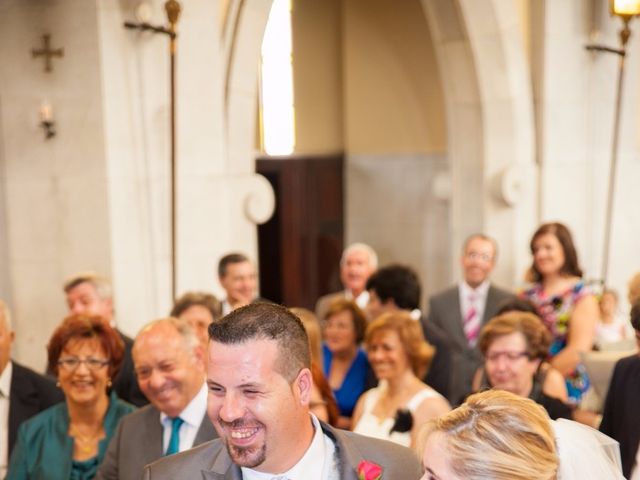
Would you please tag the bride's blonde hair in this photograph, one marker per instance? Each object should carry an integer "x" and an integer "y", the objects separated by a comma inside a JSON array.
[{"x": 496, "y": 435}]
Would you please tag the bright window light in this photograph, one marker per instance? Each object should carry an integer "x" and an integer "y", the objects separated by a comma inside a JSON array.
[{"x": 276, "y": 89}]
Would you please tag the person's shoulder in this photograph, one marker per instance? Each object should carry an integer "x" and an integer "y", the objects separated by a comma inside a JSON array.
[
  {"x": 627, "y": 363},
  {"x": 44, "y": 420},
  {"x": 500, "y": 291},
  {"x": 184, "y": 464},
  {"x": 145, "y": 414},
  {"x": 444, "y": 295},
  {"x": 397, "y": 461},
  {"x": 21, "y": 371}
]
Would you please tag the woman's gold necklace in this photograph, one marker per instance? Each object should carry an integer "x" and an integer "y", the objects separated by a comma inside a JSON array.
[{"x": 85, "y": 443}]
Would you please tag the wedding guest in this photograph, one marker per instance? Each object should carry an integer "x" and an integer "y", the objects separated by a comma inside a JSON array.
[
  {"x": 357, "y": 263},
  {"x": 501, "y": 436},
  {"x": 493, "y": 435},
  {"x": 200, "y": 309},
  {"x": 565, "y": 303},
  {"x": 401, "y": 403},
  {"x": 514, "y": 346},
  {"x": 69, "y": 440},
  {"x": 611, "y": 326},
  {"x": 621, "y": 416},
  {"x": 259, "y": 390},
  {"x": 345, "y": 363}
]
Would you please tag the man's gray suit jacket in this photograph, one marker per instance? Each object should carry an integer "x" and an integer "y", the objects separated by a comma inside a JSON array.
[
  {"x": 210, "y": 461},
  {"x": 138, "y": 442},
  {"x": 445, "y": 313}
]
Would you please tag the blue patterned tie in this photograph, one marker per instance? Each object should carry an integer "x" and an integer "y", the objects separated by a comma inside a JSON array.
[{"x": 174, "y": 441}]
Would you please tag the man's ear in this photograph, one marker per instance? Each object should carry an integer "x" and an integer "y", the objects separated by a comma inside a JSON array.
[{"x": 304, "y": 385}]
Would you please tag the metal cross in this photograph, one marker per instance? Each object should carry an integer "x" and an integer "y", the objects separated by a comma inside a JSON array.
[{"x": 47, "y": 52}]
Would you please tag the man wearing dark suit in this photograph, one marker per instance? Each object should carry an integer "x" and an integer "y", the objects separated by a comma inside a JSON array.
[
  {"x": 397, "y": 287},
  {"x": 357, "y": 264},
  {"x": 91, "y": 294},
  {"x": 170, "y": 365},
  {"x": 237, "y": 275},
  {"x": 462, "y": 310},
  {"x": 259, "y": 393},
  {"x": 22, "y": 390},
  {"x": 621, "y": 415}
]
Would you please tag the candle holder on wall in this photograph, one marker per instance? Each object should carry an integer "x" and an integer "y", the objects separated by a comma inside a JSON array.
[{"x": 46, "y": 121}]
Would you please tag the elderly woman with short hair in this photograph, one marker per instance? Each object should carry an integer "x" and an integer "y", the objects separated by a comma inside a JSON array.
[{"x": 514, "y": 346}]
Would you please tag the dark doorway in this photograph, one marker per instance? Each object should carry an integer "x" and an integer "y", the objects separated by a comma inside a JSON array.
[{"x": 299, "y": 248}]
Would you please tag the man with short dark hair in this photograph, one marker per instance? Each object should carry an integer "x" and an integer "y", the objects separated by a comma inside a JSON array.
[
  {"x": 397, "y": 287},
  {"x": 237, "y": 275},
  {"x": 91, "y": 294},
  {"x": 23, "y": 392},
  {"x": 462, "y": 310},
  {"x": 621, "y": 415},
  {"x": 199, "y": 309},
  {"x": 259, "y": 392},
  {"x": 357, "y": 263},
  {"x": 170, "y": 365}
]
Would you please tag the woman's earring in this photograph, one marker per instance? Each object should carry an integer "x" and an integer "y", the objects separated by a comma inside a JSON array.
[
  {"x": 58, "y": 383},
  {"x": 109, "y": 383}
]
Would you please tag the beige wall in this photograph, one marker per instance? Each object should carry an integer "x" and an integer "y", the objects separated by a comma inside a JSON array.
[
  {"x": 317, "y": 76},
  {"x": 393, "y": 99}
]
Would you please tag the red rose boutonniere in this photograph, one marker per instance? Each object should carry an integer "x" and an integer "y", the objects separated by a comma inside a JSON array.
[{"x": 369, "y": 471}]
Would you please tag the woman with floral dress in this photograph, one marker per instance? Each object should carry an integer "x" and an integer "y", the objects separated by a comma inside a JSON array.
[{"x": 566, "y": 304}]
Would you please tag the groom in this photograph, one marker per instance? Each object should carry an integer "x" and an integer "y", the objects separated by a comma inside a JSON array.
[{"x": 259, "y": 389}]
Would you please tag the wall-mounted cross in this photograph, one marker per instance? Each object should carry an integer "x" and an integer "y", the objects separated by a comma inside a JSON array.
[{"x": 47, "y": 52}]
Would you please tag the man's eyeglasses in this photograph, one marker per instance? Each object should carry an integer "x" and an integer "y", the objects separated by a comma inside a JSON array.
[
  {"x": 511, "y": 356},
  {"x": 71, "y": 363},
  {"x": 479, "y": 256}
]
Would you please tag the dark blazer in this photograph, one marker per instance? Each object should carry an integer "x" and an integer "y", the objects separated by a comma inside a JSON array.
[
  {"x": 138, "y": 441},
  {"x": 621, "y": 414},
  {"x": 29, "y": 394},
  {"x": 444, "y": 312},
  {"x": 210, "y": 461},
  {"x": 125, "y": 383}
]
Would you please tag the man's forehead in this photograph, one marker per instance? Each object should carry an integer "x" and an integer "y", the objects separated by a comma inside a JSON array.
[
  {"x": 252, "y": 356},
  {"x": 358, "y": 253},
  {"x": 478, "y": 243}
]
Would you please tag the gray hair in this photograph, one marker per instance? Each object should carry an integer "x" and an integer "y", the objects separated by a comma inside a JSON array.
[
  {"x": 100, "y": 283},
  {"x": 6, "y": 314},
  {"x": 183, "y": 327},
  {"x": 359, "y": 246}
]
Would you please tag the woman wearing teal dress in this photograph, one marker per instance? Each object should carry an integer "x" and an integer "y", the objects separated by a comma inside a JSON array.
[
  {"x": 68, "y": 440},
  {"x": 567, "y": 305}
]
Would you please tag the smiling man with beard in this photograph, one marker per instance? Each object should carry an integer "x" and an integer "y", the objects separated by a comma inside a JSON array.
[
  {"x": 170, "y": 366},
  {"x": 259, "y": 390}
]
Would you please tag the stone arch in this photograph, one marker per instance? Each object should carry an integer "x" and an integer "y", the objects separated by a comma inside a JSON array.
[
  {"x": 490, "y": 124},
  {"x": 489, "y": 109}
]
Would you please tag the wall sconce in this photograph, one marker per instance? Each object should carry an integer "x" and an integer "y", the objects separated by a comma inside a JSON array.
[
  {"x": 46, "y": 120},
  {"x": 626, "y": 10}
]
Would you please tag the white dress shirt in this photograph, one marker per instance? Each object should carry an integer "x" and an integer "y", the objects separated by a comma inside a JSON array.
[
  {"x": 361, "y": 300},
  {"x": 193, "y": 414},
  {"x": 5, "y": 386},
  {"x": 635, "y": 473},
  {"x": 318, "y": 462}
]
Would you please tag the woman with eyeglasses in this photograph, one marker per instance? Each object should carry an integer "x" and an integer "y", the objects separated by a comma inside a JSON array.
[
  {"x": 69, "y": 440},
  {"x": 514, "y": 346}
]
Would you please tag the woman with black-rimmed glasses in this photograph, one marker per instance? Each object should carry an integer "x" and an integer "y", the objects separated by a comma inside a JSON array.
[{"x": 68, "y": 440}]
